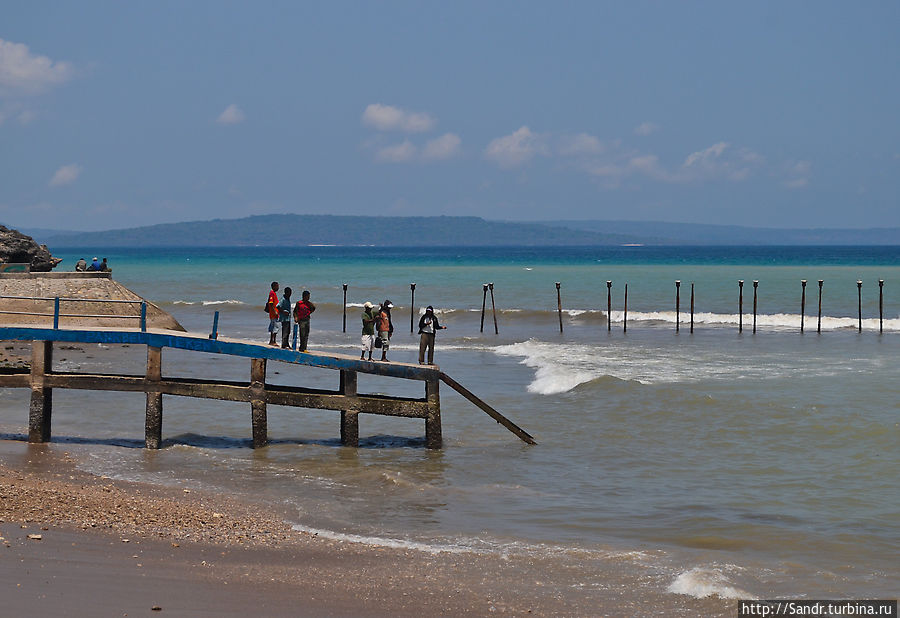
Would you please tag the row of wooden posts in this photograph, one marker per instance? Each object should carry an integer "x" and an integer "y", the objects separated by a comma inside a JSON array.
[{"x": 489, "y": 287}]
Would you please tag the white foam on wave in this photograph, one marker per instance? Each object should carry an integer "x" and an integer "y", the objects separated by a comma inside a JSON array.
[
  {"x": 560, "y": 367},
  {"x": 772, "y": 321},
  {"x": 229, "y": 301},
  {"x": 376, "y": 541},
  {"x": 701, "y": 582}
]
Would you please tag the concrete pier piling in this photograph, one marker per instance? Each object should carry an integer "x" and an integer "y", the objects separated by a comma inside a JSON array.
[
  {"x": 755, "y": 287},
  {"x": 819, "y": 321},
  {"x": 802, "y": 303},
  {"x": 258, "y": 414},
  {"x": 40, "y": 410},
  {"x": 154, "y": 408},
  {"x": 349, "y": 417}
]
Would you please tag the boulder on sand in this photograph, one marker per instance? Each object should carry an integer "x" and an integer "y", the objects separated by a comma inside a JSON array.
[{"x": 17, "y": 248}]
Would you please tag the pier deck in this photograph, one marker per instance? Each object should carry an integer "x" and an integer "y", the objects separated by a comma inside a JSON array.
[{"x": 41, "y": 379}]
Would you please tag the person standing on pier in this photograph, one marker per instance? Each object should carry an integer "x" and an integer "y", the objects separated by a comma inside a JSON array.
[
  {"x": 385, "y": 328},
  {"x": 284, "y": 316},
  {"x": 428, "y": 326},
  {"x": 272, "y": 310},
  {"x": 368, "y": 331},
  {"x": 302, "y": 311}
]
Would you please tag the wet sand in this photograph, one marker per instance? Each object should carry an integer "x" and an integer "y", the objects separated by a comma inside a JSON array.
[{"x": 114, "y": 548}]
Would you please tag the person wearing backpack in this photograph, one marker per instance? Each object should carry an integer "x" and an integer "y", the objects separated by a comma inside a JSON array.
[{"x": 302, "y": 311}]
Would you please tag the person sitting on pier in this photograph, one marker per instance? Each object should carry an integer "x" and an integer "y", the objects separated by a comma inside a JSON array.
[
  {"x": 368, "y": 331},
  {"x": 95, "y": 265},
  {"x": 302, "y": 311},
  {"x": 284, "y": 316},
  {"x": 81, "y": 265},
  {"x": 104, "y": 267},
  {"x": 272, "y": 310},
  {"x": 428, "y": 326},
  {"x": 383, "y": 321}
]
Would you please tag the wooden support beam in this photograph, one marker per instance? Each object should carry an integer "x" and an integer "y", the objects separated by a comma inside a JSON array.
[
  {"x": 350, "y": 416},
  {"x": 257, "y": 390},
  {"x": 433, "y": 438},
  {"x": 41, "y": 408},
  {"x": 154, "y": 410}
]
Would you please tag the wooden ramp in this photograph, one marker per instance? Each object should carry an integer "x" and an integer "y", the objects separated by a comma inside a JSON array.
[{"x": 42, "y": 380}]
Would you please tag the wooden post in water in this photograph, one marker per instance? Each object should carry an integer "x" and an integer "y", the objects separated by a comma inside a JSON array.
[
  {"x": 859, "y": 303},
  {"x": 692, "y": 306},
  {"x": 41, "y": 408},
  {"x": 433, "y": 437},
  {"x": 881, "y": 305},
  {"x": 819, "y": 323},
  {"x": 344, "y": 327},
  {"x": 484, "y": 288},
  {"x": 493, "y": 308},
  {"x": 349, "y": 418},
  {"x": 677, "y": 305},
  {"x": 741, "y": 306},
  {"x": 625, "y": 313},
  {"x": 258, "y": 416},
  {"x": 802, "y": 303},
  {"x": 412, "y": 306},
  {"x": 154, "y": 408},
  {"x": 609, "y": 305},
  {"x": 559, "y": 306},
  {"x": 755, "y": 286}
]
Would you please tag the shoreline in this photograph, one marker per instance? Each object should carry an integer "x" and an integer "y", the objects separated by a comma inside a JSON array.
[{"x": 108, "y": 545}]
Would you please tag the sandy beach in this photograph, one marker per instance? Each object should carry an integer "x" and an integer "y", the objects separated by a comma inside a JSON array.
[{"x": 84, "y": 545}]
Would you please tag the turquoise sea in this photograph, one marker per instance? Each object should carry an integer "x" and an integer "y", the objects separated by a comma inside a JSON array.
[{"x": 719, "y": 461}]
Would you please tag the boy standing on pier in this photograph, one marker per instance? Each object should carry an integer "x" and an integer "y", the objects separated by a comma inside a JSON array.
[
  {"x": 368, "y": 331},
  {"x": 284, "y": 316},
  {"x": 302, "y": 311},
  {"x": 272, "y": 310}
]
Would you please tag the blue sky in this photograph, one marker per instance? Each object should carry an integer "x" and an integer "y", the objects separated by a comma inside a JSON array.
[{"x": 778, "y": 114}]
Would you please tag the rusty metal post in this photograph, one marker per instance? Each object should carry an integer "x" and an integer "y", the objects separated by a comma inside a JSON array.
[
  {"x": 802, "y": 303},
  {"x": 559, "y": 306},
  {"x": 755, "y": 286},
  {"x": 819, "y": 321},
  {"x": 40, "y": 410},
  {"x": 493, "y": 308},
  {"x": 609, "y": 305},
  {"x": 344, "y": 328},
  {"x": 881, "y": 305},
  {"x": 154, "y": 408},
  {"x": 692, "y": 306},
  {"x": 412, "y": 306},
  {"x": 859, "y": 298},
  {"x": 677, "y": 305},
  {"x": 625, "y": 314},
  {"x": 484, "y": 288},
  {"x": 349, "y": 418},
  {"x": 741, "y": 306},
  {"x": 433, "y": 438},
  {"x": 258, "y": 415}
]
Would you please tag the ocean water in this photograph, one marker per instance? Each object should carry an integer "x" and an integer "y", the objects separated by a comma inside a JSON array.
[{"x": 719, "y": 462}]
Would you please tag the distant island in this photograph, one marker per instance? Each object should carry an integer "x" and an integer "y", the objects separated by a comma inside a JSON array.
[{"x": 291, "y": 230}]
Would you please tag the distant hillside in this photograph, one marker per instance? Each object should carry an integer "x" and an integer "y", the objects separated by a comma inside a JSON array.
[
  {"x": 655, "y": 232},
  {"x": 302, "y": 230}
]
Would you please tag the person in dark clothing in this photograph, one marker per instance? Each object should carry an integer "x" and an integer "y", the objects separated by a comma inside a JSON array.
[
  {"x": 284, "y": 316},
  {"x": 428, "y": 326}
]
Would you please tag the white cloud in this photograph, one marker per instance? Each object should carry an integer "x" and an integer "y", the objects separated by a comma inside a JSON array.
[
  {"x": 22, "y": 72},
  {"x": 398, "y": 153},
  {"x": 443, "y": 147},
  {"x": 646, "y": 128},
  {"x": 390, "y": 118},
  {"x": 798, "y": 173},
  {"x": 515, "y": 149},
  {"x": 65, "y": 175},
  {"x": 580, "y": 144},
  {"x": 232, "y": 115}
]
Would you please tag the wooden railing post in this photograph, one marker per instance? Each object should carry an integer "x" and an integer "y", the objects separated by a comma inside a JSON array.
[
  {"x": 258, "y": 418},
  {"x": 41, "y": 409},
  {"x": 349, "y": 418},
  {"x": 153, "y": 419}
]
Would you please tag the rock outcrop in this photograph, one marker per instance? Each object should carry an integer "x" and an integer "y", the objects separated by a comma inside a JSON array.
[{"x": 18, "y": 248}]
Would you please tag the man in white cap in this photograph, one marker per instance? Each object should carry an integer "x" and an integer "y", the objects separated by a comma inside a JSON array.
[
  {"x": 368, "y": 331},
  {"x": 95, "y": 264}
]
